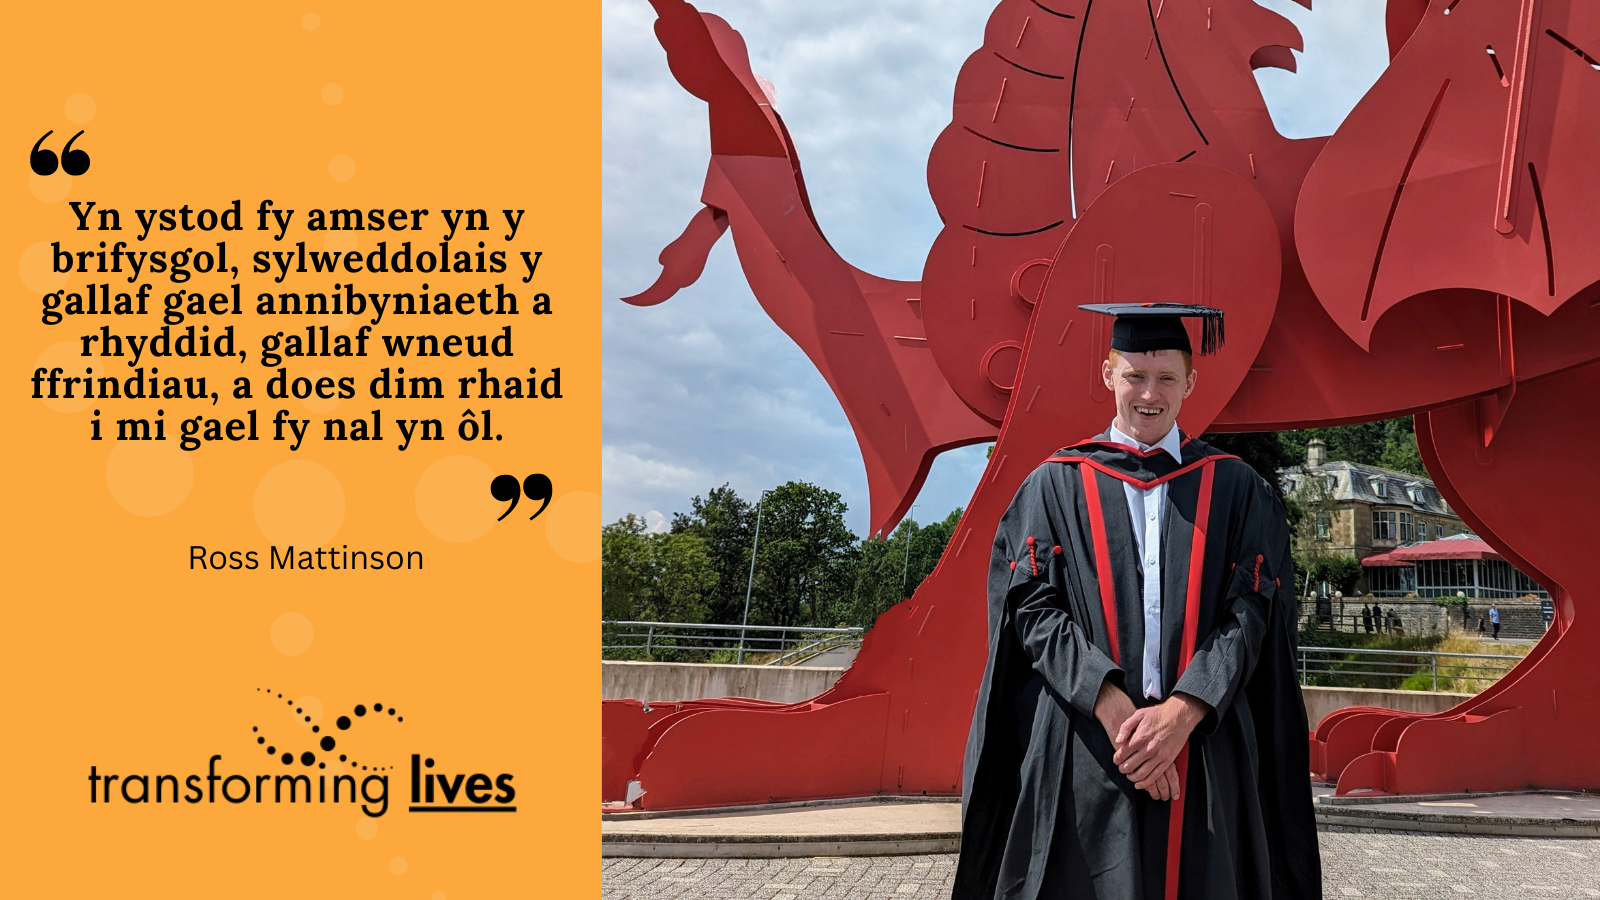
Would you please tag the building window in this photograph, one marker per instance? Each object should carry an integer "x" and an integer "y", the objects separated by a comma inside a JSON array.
[
  {"x": 1383, "y": 525},
  {"x": 1438, "y": 531},
  {"x": 1380, "y": 487},
  {"x": 1324, "y": 526},
  {"x": 1390, "y": 581},
  {"x": 1414, "y": 491},
  {"x": 1407, "y": 532},
  {"x": 1488, "y": 578}
]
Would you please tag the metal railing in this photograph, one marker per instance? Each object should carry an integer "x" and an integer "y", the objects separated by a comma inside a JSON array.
[
  {"x": 701, "y": 642},
  {"x": 1359, "y": 667},
  {"x": 1355, "y": 623}
]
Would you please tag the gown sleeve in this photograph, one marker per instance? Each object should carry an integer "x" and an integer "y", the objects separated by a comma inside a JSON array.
[
  {"x": 1038, "y": 591},
  {"x": 1225, "y": 657}
]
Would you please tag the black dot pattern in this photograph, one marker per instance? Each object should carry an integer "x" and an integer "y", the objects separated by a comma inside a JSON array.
[{"x": 327, "y": 742}]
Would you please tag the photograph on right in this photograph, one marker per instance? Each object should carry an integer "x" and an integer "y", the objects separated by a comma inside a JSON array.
[{"x": 1171, "y": 510}]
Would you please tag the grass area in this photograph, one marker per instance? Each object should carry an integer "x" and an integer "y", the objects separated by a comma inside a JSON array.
[{"x": 1469, "y": 676}]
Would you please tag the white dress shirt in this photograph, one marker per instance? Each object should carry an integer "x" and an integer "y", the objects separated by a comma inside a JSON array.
[{"x": 1146, "y": 509}]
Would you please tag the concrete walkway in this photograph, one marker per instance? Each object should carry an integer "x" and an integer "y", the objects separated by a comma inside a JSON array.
[
  {"x": 1394, "y": 866},
  {"x": 872, "y": 828},
  {"x": 1541, "y": 814}
]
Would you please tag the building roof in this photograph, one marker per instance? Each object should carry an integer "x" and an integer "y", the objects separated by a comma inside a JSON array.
[
  {"x": 1459, "y": 546},
  {"x": 1356, "y": 482}
]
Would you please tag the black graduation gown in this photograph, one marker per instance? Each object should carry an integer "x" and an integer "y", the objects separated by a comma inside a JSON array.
[{"x": 1045, "y": 813}]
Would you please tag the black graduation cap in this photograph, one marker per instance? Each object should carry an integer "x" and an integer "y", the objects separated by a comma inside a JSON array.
[{"x": 1148, "y": 327}]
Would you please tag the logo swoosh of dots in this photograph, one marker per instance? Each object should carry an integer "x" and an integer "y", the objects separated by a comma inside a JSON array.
[{"x": 328, "y": 743}]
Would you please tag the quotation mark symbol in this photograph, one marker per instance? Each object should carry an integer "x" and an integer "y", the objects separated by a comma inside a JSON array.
[
  {"x": 43, "y": 162},
  {"x": 535, "y": 487}
]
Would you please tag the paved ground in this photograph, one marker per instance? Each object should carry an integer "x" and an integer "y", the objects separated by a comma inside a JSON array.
[
  {"x": 1583, "y": 808},
  {"x": 1403, "y": 866},
  {"x": 844, "y": 820}
]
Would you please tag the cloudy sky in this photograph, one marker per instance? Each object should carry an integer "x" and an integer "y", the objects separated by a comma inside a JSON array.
[{"x": 704, "y": 389}]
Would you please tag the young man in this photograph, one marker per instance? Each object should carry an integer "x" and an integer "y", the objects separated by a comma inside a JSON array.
[
  {"x": 1494, "y": 619},
  {"x": 1139, "y": 732}
]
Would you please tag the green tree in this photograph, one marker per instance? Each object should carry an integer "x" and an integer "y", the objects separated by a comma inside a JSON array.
[
  {"x": 1390, "y": 443},
  {"x": 885, "y": 574},
  {"x": 1341, "y": 572},
  {"x": 805, "y": 558},
  {"x": 652, "y": 577},
  {"x": 683, "y": 578},
  {"x": 624, "y": 568},
  {"x": 1312, "y": 502},
  {"x": 1400, "y": 448},
  {"x": 726, "y": 523}
]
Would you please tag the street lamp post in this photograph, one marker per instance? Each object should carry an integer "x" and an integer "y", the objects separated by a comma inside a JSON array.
[
  {"x": 905, "y": 566},
  {"x": 750, "y": 583}
]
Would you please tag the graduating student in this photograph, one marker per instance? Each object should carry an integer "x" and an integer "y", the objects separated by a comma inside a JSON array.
[{"x": 1139, "y": 732}]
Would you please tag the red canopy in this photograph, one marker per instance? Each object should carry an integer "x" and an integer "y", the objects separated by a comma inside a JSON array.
[
  {"x": 1448, "y": 548},
  {"x": 1384, "y": 559}
]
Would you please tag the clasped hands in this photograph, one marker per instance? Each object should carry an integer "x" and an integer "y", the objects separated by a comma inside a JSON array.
[{"x": 1148, "y": 739}]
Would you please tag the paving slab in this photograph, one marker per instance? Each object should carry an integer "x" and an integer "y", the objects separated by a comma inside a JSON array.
[{"x": 1397, "y": 865}]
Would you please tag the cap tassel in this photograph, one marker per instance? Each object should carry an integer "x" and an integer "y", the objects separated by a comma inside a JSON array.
[{"x": 1211, "y": 335}]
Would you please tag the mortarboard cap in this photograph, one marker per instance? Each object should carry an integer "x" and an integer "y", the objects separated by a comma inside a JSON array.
[{"x": 1148, "y": 327}]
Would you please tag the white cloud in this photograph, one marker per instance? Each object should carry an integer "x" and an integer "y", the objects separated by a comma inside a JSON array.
[{"x": 630, "y": 470}]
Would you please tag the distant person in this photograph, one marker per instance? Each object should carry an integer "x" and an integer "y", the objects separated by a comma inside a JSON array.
[
  {"x": 1377, "y": 614},
  {"x": 1366, "y": 617},
  {"x": 1494, "y": 619},
  {"x": 1480, "y": 627}
]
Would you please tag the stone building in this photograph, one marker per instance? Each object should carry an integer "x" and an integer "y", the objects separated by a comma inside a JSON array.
[
  {"x": 1358, "y": 510},
  {"x": 1415, "y": 551}
]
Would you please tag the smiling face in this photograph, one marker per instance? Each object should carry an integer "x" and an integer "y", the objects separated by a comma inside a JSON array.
[{"x": 1150, "y": 389}]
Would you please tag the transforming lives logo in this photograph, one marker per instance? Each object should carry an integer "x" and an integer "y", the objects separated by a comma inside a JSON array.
[{"x": 430, "y": 791}]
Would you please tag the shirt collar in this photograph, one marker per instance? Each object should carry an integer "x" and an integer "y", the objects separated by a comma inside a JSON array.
[{"x": 1172, "y": 443}]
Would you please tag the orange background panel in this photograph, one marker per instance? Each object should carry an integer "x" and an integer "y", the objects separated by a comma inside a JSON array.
[{"x": 121, "y": 657}]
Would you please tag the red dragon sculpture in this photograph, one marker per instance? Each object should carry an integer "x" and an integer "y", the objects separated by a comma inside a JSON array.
[{"x": 1436, "y": 256}]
